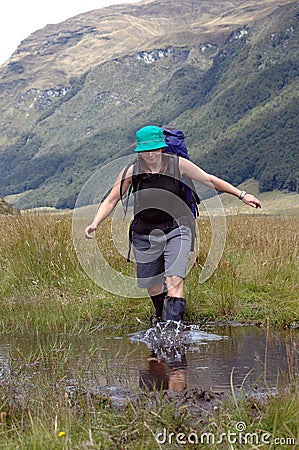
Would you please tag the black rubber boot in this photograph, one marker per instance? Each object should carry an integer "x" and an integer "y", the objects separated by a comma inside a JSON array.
[
  {"x": 174, "y": 308},
  {"x": 158, "y": 301}
]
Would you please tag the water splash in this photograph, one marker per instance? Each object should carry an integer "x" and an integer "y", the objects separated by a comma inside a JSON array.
[{"x": 170, "y": 340}]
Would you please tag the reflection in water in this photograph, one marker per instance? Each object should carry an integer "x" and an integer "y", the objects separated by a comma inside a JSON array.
[
  {"x": 168, "y": 363},
  {"x": 167, "y": 373},
  {"x": 199, "y": 359},
  {"x": 252, "y": 356}
]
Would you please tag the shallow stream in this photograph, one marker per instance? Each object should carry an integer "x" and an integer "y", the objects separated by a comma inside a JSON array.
[{"x": 211, "y": 357}]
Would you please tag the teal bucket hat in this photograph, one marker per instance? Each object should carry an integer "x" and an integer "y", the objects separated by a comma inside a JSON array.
[{"x": 149, "y": 138}]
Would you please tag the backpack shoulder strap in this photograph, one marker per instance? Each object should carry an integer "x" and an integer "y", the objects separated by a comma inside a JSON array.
[
  {"x": 191, "y": 197},
  {"x": 123, "y": 177},
  {"x": 136, "y": 175},
  {"x": 173, "y": 166},
  {"x": 177, "y": 172}
]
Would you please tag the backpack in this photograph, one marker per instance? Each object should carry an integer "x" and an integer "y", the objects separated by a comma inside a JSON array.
[
  {"x": 175, "y": 142},
  {"x": 176, "y": 145}
]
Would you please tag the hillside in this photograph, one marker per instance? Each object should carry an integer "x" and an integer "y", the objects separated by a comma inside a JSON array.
[
  {"x": 276, "y": 202},
  {"x": 73, "y": 94},
  {"x": 6, "y": 208},
  {"x": 247, "y": 126}
]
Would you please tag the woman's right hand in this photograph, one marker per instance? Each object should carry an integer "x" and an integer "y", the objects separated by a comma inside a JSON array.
[
  {"x": 88, "y": 230},
  {"x": 108, "y": 205}
]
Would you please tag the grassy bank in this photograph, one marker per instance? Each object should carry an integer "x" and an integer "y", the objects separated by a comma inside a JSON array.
[
  {"x": 46, "y": 294},
  {"x": 43, "y": 286},
  {"x": 257, "y": 278},
  {"x": 50, "y": 420}
]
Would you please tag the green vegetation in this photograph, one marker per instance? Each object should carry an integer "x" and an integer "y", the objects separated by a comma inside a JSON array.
[
  {"x": 250, "y": 117},
  {"x": 6, "y": 208},
  {"x": 257, "y": 277},
  {"x": 44, "y": 287},
  {"x": 236, "y": 101},
  {"x": 45, "y": 295},
  {"x": 46, "y": 417}
]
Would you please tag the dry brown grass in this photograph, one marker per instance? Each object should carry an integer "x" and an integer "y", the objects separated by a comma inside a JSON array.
[{"x": 256, "y": 280}]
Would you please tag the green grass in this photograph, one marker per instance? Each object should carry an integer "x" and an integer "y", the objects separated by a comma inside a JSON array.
[
  {"x": 43, "y": 286},
  {"x": 46, "y": 295},
  {"x": 257, "y": 278},
  {"x": 37, "y": 412}
]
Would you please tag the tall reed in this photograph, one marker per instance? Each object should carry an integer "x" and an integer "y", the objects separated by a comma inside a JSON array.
[
  {"x": 257, "y": 278},
  {"x": 44, "y": 287}
]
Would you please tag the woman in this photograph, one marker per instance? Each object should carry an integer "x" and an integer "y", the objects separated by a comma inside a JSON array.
[{"x": 161, "y": 232}]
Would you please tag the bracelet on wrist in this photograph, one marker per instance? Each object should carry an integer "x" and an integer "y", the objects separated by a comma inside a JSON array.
[{"x": 243, "y": 193}]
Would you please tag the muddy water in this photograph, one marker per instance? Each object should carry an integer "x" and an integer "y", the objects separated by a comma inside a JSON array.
[{"x": 209, "y": 358}]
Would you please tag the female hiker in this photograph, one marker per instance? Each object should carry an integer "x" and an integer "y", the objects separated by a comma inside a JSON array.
[{"x": 162, "y": 230}]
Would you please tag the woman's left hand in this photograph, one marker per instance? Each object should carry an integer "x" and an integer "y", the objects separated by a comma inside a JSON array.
[{"x": 251, "y": 200}]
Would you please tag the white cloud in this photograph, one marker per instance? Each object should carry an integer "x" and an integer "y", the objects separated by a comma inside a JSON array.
[{"x": 20, "y": 18}]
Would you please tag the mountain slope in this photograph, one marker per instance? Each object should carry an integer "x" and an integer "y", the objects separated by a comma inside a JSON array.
[
  {"x": 73, "y": 95},
  {"x": 247, "y": 125},
  {"x": 6, "y": 208}
]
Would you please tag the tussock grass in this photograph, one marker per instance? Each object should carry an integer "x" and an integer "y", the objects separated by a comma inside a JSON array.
[
  {"x": 257, "y": 279},
  {"x": 44, "y": 292},
  {"x": 43, "y": 286},
  {"x": 37, "y": 411}
]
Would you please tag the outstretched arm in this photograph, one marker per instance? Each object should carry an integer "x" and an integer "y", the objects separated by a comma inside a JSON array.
[
  {"x": 196, "y": 173},
  {"x": 110, "y": 202}
]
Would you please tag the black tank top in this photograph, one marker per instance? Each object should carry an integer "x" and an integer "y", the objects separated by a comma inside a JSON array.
[{"x": 159, "y": 201}]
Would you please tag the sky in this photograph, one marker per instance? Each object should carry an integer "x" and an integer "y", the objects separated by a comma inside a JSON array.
[{"x": 20, "y": 18}]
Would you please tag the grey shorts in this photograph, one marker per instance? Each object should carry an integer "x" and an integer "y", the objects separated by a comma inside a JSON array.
[{"x": 159, "y": 255}]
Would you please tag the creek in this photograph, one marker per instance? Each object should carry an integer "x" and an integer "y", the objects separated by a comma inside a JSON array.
[{"x": 214, "y": 357}]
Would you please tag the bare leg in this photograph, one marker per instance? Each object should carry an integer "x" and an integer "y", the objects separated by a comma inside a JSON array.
[{"x": 175, "y": 286}]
